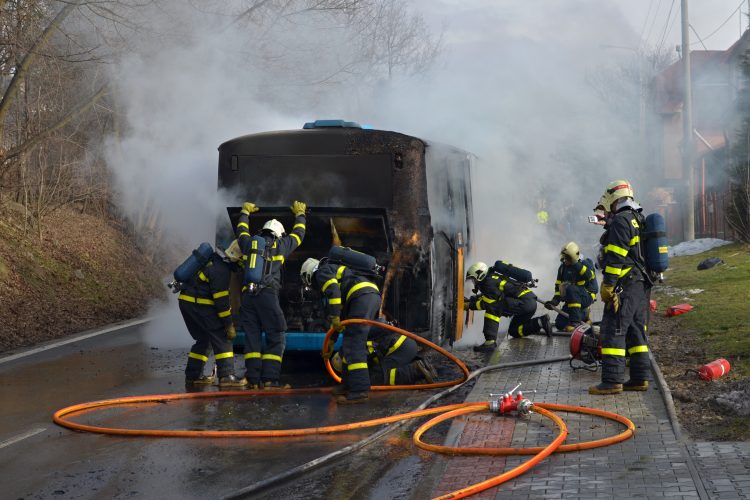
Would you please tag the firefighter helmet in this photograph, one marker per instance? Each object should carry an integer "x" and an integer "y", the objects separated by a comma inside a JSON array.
[
  {"x": 570, "y": 251},
  {"x": 616, "y": 190},
  {"x": 307, "y": 270},
  {"x": 477, "y": 271},
  {"x": 274, "y": 227},
  {"x": 233, "y": 252}
]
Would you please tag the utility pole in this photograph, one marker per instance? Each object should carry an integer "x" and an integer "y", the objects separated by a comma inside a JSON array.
[{"x": 687, "y": 128}]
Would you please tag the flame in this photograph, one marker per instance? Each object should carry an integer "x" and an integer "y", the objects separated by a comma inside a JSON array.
[
  {"x": 401, "y": 249},
  {"x": 335, "y": 234}
]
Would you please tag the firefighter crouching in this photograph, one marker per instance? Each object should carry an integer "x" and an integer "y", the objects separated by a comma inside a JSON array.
[
  {"x": 623, "y": 290},
  {"x": 347, "y": 295},
  {"x": 499, "y": 296},
  {"x": 260, "y": 310},
  {"x": 392, "y": 359},
  {"x": 204, "y": 304},
  {"x": 575, "y": 286}
]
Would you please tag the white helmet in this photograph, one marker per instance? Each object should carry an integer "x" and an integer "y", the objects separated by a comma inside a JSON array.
[
  {"x": 571, "y": 251},
  {"x": 275, "y": 227},
  {"x": 307, "y": 270},
  {"x": 233, "y": 252},
  {"x": 616, "y": 190},
  {"x": 477, "y": 271}
]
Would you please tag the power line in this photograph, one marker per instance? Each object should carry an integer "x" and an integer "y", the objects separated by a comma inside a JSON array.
[
  {"x": 653, "y": 21},
  {"x": 697, "y": 36},
  {"x": 722, "y": 24},
  {"x": 667, "y": 27}
]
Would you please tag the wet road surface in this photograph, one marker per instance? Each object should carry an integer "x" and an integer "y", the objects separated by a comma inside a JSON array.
[{"x": 38, "y": 459}]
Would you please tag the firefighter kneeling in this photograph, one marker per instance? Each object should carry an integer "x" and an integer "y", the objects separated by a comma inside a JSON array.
[{"x": 575, "y": 286}]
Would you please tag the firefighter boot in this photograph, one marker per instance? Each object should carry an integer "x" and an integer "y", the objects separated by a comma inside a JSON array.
[
  {"x": 275, "y": 385},
  {"x": 427, "y": 371},
  {"x": 488, "y": 346},
  {"x": 352, "y": 398},
  {"x": 546, "y": 325},
  {"x": 605, "y": 388},
  {"x": 338, "y": 390},
  {"x": 232, "y": 381},
  {"x": 635, "y": 385},
  {"x": 202, "y": 380}
]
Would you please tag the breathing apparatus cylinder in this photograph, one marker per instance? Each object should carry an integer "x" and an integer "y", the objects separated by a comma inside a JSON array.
[
  {"x": 656, "y": 249},
  {"x": 197, "y": 260},
  {"x": 255, "y": 263},
  {"x": 356, "y": 260},
  {"x": 513, "y": 272}
]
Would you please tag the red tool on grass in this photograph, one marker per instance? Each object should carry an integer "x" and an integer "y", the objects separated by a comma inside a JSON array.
[{"x": 678, "y": 309}]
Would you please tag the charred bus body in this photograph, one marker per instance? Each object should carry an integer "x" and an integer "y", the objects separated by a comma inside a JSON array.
[{"x": 401, "y": 199}]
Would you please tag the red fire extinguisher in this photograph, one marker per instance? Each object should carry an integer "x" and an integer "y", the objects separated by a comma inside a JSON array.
[
  {"x": 679, "y": 309},
  {"x": 714, "y": 369},
  {"x": 652, "y": 305}
]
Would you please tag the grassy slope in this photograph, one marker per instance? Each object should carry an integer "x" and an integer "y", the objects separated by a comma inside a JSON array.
[{"x": 721, "y": 313}]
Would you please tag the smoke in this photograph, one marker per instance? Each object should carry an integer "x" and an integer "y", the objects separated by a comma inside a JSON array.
[{"x": 512, "y": 86}]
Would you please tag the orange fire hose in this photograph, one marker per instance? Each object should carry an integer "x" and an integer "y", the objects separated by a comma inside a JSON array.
[
  {"x": 61, "y": 417},
  {"x": 416, "y": 337}
]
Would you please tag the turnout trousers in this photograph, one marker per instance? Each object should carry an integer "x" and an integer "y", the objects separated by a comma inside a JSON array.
[
  {"x": 355, "y": 375},
  {"x": 397, "y": 368},
  {"x": 208, "y": 332},
  {"x": 262, "y": 313},
  {"x": 577, "y": 302},
  {"x": 624, "y": 333},
  {"x": 522, "y": 321}
]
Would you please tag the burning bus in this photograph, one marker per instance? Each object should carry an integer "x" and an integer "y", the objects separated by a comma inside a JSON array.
[{"x": 401, "y": 199}]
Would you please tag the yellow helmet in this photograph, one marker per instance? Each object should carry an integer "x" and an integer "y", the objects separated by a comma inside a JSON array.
[
  {"x": 570, "y": 251},
  {"x": 477, "y": 271},
  {"x": 233, "y": 252},
  {"x": 616, "y": 190}
]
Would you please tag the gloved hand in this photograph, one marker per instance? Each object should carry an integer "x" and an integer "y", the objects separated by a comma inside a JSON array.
[
  {"x": 552, "y": 303},
  {"x": 249, "y": 208},
  {"x": 336, "y": 324},
  {"x": 327, "y": 353},
  {"x": 231, "y": 332},
  {"x": 609, "y": 296},
  {"x": 298, "y": 208},
  {"x": 466, "y": 304}
]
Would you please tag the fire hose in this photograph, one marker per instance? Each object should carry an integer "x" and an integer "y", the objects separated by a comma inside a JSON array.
[{"x": 504, "y": 405}]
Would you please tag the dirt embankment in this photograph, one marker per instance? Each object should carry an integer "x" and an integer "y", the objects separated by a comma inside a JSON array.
[{"x": 85, "y": 272}]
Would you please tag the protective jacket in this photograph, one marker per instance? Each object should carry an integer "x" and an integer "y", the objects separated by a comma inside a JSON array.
[
  {"x": 277, "y": 249},
  {"x": 621, "y": 246},
  {"x": 210, "y": 287},
  {"x": 340, "y": 285},
  {"x": 580, "y": 273},
  {"x": 496, "y": 287}
]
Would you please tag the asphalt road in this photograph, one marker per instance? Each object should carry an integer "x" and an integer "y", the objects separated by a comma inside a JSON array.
[{"x": 38, "y": 459}]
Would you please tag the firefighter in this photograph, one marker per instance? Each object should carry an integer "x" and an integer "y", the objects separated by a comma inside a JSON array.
[
  {"x": 624, "y": 293},
  {"x": 499, "y": 296},
  {"x": 260, "y": 310},
  {"x": 348, "y": 294},
  {"x": 576, "y": 286},
  {"x": 204, "y": 304}
]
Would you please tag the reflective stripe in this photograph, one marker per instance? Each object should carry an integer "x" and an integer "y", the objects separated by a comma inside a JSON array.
[
  {"x": 663, "y": 250},
  {"x": 337, "y": 300},
  {"x": 252, "y": 355},
  {"x": 245, "y": 233},
  {"x": 558, "y": 282},
  {"x": 523, "y": 293},
  {"x": 357, "y": 366},
  {"x": 202, "y": 276},
  {"x": 613, "y": 270},
  {"x": 396, "y": 345},
  {"x": 298, "y": 225},
  {"x": 224, "y": 314},
  {"x": 253, "y": 255},
  {"x": 196, "y": 300},
  {"x": 392, "y": 377},
  {"x": 221, "y": 294},
  {"x": 557, "y": 293},
  {"x": 278, "y": 257},
  {"x": 360, "y": 286},
  {"x": 492, "y": 317},
  {"x": 328, "y": 283},
  {"x": 612, "y": 351},
  {"x": 593, "y": 295},
  {"x": 573, "y": 305},
  {"x": 616, "y": 249},
  {"x": 580, "y": 283},
  {"x": 243, "y": 224},
  {"x": 520, "y": 330},
  {"x": 299, "y": 241},
  {"x": 340, "y": 272},
  {"x": 370, "y": 347},
  {"x": 501, "y": 285},
  {"x": 224, "y": 355},
  {"x": 488, "y": 300},
  {"x": 635, "y": 239},
  {"x": 272, "y": 357},
  {"x": 583, "y": 270},
  {"x": 197, "y": 356},
  {"x": 638, "y": 348}
]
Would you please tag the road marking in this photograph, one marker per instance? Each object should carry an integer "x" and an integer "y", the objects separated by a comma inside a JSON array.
[
  {"x": 21, "y": 437},
  {"x": 77, "y": 338}
]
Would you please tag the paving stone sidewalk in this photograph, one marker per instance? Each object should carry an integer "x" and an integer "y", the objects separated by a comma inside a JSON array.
[{"x": 653, "y": 464}]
